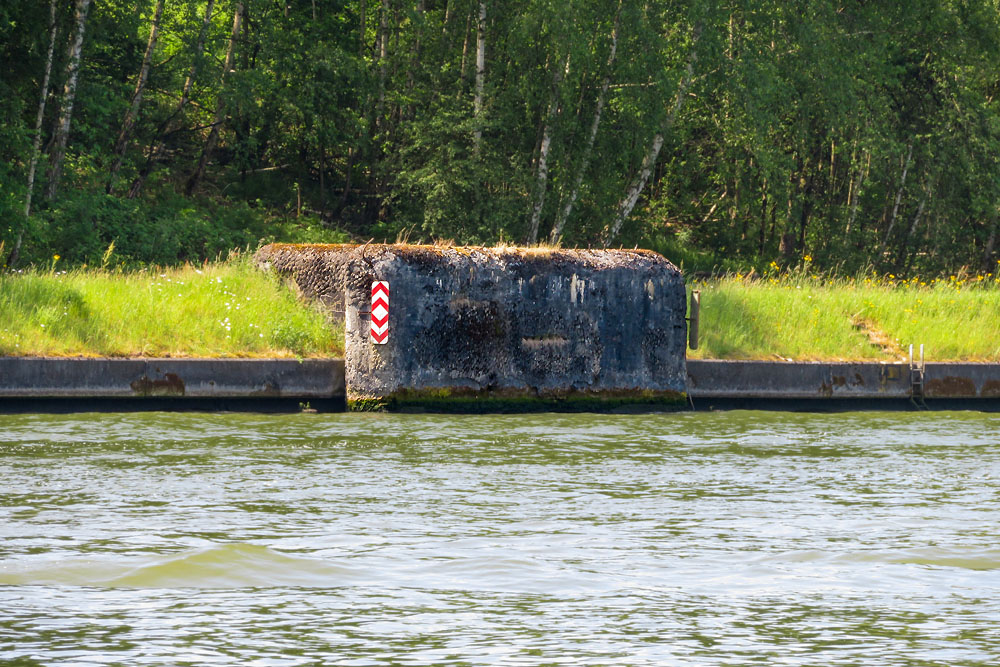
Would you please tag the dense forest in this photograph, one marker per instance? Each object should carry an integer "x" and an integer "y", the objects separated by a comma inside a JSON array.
[{"x": 843, "y": 135}]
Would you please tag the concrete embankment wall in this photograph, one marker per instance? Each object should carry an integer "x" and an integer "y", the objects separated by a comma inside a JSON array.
[
  {"x": 501, "y": 325},
  {"x": 40, "y": 385},
  {"x": 52, "y": 378},
  {"x": 827, "y": 383}
]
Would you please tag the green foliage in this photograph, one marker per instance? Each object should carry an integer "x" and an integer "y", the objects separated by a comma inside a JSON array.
[{"x": 793, "y": 137}]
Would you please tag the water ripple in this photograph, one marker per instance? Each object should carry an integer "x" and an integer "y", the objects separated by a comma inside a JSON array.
[{"x": 730, "y": 538}]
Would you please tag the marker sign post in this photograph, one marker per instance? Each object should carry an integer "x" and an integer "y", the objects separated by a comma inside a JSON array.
[{"x": 380, "y": 312}]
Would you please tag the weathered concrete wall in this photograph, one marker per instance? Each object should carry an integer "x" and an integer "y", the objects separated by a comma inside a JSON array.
[
  {"x": 22, "y": 377},
  {"x": 962, "y": 380},
  {"x": 501, "y": 325},
  {"x": 796, "y": 380},
  {"x": 836, "y": 380}
]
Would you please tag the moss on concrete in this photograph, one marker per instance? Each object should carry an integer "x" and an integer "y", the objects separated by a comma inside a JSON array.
[{"x": 465, "y": 401}]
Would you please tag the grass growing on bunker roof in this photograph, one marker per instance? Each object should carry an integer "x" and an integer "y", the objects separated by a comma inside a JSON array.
[
  {"x": 804, "y": 317},
  {"x": 222, "y": 309}
]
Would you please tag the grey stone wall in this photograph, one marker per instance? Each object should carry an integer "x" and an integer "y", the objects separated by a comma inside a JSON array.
[{"x": 505, "y": 324}]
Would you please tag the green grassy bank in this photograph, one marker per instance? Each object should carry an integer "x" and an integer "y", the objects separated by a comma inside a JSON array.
[
  {"x": 812, "y": 318},
  {"x": 226, "y": 309},
  {"x": 230, "y": 309}
]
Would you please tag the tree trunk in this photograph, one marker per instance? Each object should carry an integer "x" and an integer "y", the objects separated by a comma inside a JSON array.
[
  {"x": 415, "y": 54},
  {"x": 133, "y": 111},
  {"x": 899, "y": 196},
  {"x": 36, "y": 144},
  {"x": 543, "y": 152},
  {"x": 862, "y": 173},
  {"x": 361, "y": 40},
  {"x": 465, "y": 50},
  {"x": 160, "y": 145},
  {"x": 220, "y": 106},
  {"x": 68, "y": 98},
  {"x": 902, "y": 258},
  {"x": 40, "y": 117},
  {"x": 763, "y": 220},
  {"x": 349, "y": 169},
  {"x": 638, "y": 183},
  {"x": 807, "y": 206},
  {"x": 477, "y": 102},
  {"x": 383, "y": 54},
  {"x": 988, "y": 265},
  {"x": 564, "y": 213}
]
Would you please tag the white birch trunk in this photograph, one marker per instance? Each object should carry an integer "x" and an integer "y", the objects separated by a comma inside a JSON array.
[
  {"x": 220, "y": 107},
  {"x": 899, "y": 197},
  {"x": 638, "y": 183},
  {"x": 68, "y": 98},
  {"x": 133, "y": 111},
  {"x": 166, "y": 127},
  {"x": 383, "y": 50},
  {"x": 564, "y": 213},
  {"x": 477, "y": 102},
  {"x": 363, "y": 11},
  {"x": 543, "y": 153},
  {"x": 36, "y": 144}
]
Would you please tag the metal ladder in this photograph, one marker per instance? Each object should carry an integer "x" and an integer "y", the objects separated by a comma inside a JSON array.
[{"x": 917, "y": 379}]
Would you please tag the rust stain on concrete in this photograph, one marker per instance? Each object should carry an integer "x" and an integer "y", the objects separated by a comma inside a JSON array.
[
  {"x": 991, "y": 389},
  {"x": 951, "y": 386},
  {"x": 170, "y": 385}
]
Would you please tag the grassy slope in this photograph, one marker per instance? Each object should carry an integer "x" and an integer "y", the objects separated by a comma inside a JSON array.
[
  {"x": 805, "y": 318},
  {"x": 219, "y": 310},
  {"x": 230, "y": 309}
]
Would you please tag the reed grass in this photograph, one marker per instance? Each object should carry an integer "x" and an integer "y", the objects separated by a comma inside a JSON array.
[
  {"x": 803, "y": 317},
  {"x": 222, "y": 309}
]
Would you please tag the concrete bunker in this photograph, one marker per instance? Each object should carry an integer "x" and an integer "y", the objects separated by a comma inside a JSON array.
[{"x": 500, "y": 328}]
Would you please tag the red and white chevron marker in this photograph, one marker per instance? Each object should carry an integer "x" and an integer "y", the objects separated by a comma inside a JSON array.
[{"x": 380, "y": 312}]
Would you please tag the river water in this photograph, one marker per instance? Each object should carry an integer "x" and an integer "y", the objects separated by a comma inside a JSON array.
[{"x": 362, "y": 539}]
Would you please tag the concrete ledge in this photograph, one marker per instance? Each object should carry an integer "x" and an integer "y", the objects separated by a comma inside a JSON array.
[
  {"x": 962, "y": 380},
  {"x": 837, "y": 380},
  {"x": 28, "y": 377}
]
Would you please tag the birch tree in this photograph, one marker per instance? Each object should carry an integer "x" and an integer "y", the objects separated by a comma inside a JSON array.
[
  {"x": 477, "y": 102},
  {"x": 899, "y": 198},
  {"x": 563, "y": 215},
  {"x": 36, "y": 143},
  {"x": 638, "y": 183},
  {"x": 132, "y": 114},
  {"x": 543, "y": 153},
  {"x": 220, "y": 105},
  {"x": 159, "y": 144},
  {"x": 61, "y": 137}
]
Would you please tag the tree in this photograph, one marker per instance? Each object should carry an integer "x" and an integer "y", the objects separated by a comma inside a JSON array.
[
  {"x": 638, "y": 183},
  {"x": 36, "y": 143},
  {"x": 588, "y": 148},
  {"x": 133, "y": 110},
  {"x": 174, "y": 119},
  {"x": 68, "y": 98},
  {"x": 220, "y": 105}
]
